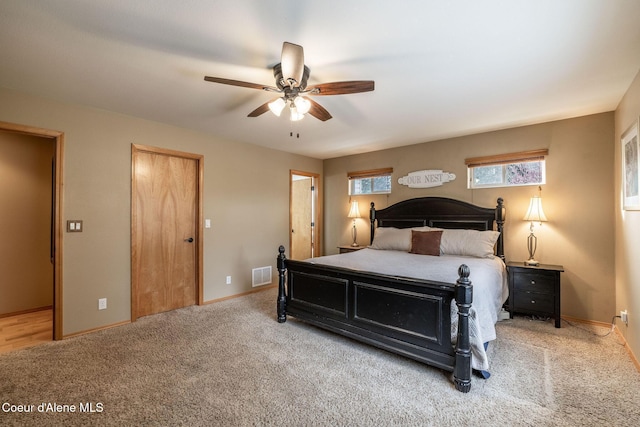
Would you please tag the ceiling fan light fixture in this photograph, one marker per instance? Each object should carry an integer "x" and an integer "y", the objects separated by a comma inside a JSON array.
[
  {"x": 302, "y": 104},
  {"x": 291, "y": 77},
  {"x": 277, "y": 106}
]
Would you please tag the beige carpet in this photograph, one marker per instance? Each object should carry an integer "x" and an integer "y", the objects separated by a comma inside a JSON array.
[{"x": 232, "y": 364}]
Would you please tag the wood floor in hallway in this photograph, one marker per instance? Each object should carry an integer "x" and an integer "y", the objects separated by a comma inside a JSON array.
[{"x": 25, "y": 330}]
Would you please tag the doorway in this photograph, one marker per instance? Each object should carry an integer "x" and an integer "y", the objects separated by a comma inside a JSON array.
[
  {"x": 304, "y": 212},
  {"x": 166, "y": 230},
  {"x": 48, "y": 236}
]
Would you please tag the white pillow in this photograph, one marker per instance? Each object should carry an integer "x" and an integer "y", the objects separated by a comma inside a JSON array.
[
  {"x": 479, "y": 244},
  {"x": 426, "y": 228},
  {"x": 391, "y": 238},
  {"x": 395, "y": 239}
]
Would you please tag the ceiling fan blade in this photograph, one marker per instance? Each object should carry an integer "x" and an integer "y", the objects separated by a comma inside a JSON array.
[
  {"x": 318, "y": 111},
  {"x": 238, "y": 83},
  {"x": 292, "y": 62},
  {"x": 260, "y": 110},
  {"x": 342, "y": 88}
]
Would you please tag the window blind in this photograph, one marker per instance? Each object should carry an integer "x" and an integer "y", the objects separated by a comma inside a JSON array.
[
  {"x": 501, "y": 159},
  {"x": 369, "y": 173}
]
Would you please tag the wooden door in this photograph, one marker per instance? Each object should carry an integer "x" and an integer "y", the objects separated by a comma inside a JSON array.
[{"x": 165, "y": 232}]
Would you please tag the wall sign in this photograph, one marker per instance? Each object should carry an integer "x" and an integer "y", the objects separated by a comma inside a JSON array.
[{"x": 426, "y": 178}]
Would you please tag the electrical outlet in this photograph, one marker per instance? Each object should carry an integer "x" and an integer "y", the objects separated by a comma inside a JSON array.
[
  {"x": 102, "y": 304},
  {"x": 228, "y": 280},
  {"x": 623, "y": 317}
]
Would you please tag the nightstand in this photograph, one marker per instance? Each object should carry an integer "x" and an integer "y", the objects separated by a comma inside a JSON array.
[
  {"x": 346, "y": 249},
  {"x": 535, "y": 289}
]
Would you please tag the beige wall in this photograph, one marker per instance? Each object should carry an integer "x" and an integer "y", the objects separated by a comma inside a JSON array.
[
  {"x": 26, "y": 280},
  {"x": 246, "y": 196},
  {"x": 627, "y": 231},
  {"x": 577, "y": 199}
]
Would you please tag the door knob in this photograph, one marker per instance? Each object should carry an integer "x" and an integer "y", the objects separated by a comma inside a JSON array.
[{"x": 190, "y": 240}]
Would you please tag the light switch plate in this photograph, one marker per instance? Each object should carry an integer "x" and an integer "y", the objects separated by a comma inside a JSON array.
[{"x": 74, "y": 226}]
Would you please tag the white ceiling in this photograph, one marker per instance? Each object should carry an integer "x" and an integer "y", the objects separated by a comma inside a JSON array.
[{"x": 441, "y": 68}]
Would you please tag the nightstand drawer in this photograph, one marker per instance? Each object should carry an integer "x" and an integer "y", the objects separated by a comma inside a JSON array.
[
  {"x": 534, "y": 282},
  {"x": 533, "y": 301}
]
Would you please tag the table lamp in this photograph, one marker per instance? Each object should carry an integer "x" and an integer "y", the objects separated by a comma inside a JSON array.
[
  {"x": 534, "y": 214},
  {"x": 354, "y": 213}
]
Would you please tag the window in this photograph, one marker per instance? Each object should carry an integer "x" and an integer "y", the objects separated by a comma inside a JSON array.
[
  {"x": 507, "y": 170},
  {"x": 376, "y": 181}
]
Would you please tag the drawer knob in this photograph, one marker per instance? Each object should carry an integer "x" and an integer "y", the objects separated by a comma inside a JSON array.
[
  {"x": 533, "y": 301},
  {"x": 533, "y": 282}
]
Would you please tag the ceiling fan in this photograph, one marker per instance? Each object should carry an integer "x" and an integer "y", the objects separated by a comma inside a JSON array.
[{"x": 291, "y": 83}]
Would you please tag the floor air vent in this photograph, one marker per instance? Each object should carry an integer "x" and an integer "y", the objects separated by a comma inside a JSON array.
[{"x": 261, "y": 276}]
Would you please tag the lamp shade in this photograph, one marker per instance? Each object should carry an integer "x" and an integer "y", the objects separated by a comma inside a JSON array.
[
  {"x": 354, "y": 212},
  {"x": 277, "y": 106},
  {"x": 535, "y": 212},
  {"x": 302, "y": 104},
  {"x": 295, "y": 114}
]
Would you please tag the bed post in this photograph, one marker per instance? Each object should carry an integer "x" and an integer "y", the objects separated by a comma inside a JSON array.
[
  {"x": 372, "y": 218},
  {"x": 500, "y": 225},
  {"x": 282, "y": 300},
  {"x": 464, "y": 296}
]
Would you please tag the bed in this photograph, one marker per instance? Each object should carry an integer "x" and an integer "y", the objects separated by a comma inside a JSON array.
[{"x": 430, "y": 319}]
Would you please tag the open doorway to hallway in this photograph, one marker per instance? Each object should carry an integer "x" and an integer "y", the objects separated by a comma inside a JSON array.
[
  {"x": 30, "y": 183},
  {"x": 304, "y": 215}
]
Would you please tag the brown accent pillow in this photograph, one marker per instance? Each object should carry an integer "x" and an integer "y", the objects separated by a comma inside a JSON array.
[{"x": 425, "y": 242}]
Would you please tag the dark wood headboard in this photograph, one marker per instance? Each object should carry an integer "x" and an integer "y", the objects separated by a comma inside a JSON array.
[{"x": 443, "y": 213}]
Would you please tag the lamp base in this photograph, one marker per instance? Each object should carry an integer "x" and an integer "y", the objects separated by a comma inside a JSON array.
[
  {"x": 532, "y": 244},
  {"x": 354, "y": 234}
]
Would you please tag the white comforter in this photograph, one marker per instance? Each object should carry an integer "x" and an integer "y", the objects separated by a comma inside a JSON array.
[{"x": 488, "y": 277}]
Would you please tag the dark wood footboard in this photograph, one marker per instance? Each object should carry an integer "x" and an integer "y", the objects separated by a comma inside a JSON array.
[{"x": 406, "y": 316}]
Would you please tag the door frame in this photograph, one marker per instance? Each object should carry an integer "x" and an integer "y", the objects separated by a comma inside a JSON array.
[
  {"x": 135, "y": 149},
  {"x": 58, "y": 140},
  {"x": 315, "y": 180}
]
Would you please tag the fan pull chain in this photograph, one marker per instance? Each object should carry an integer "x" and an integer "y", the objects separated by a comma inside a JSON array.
[{"x": 291, "y": 125}]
